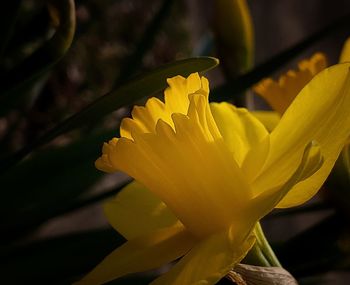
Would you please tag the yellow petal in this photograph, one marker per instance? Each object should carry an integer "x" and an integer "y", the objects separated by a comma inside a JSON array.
[
  {"x": 270, "y": 119},
  {"x": 141, "y": 254},
  {"x": 104, "y": 163},
  {"x": 273, "y": 94},
  {"x": 189, "y": 168},
  {"x": 208, "y": 261},
  {"x": 311, "y": 162},
  {"x": 144, "y": 119},
  {"x": 136, "y": 211},
  {"x": 345, "y": 53},
  {"x": 279, "y": 95},
  {"x": 315, "y": 64},
  {"x": 320, "y": 113},
  {"x": 245, "y": 136}
]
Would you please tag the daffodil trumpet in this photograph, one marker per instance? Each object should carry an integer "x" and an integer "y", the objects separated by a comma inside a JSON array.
[{"x": 205, "y": 174}]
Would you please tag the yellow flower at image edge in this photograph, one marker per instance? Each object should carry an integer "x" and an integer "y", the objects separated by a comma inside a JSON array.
[
  {"x": 280, "y": 94},
  {"x": 207, "y": 173}
]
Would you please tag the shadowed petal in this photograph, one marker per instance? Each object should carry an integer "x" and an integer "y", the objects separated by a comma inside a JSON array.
[
  {"x": 136, "y": 211},
  {"x": 269, "y": 119},
  {"x": 311, "y": 162},
  {"x": 245, "y": 136},
  {"x": 141, "y": 254},
  {"x": 208, "y": 261}
]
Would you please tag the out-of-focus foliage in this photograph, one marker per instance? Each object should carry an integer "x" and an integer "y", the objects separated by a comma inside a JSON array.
[{"x": 234, "y": 35}]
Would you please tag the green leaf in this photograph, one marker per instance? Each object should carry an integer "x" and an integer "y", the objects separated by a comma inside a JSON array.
[
  {"x": 63, "y": 260},
  {"x": 56, "y": 260},
  {"x": 236, "y": 87},
  {"x": 51, "y": 183},
  {"x": 140, "y": 87},
  {"x": 27, "y": 222},
  {"x": 63, "y": 14},
  {"x": 44, "y": 174}
]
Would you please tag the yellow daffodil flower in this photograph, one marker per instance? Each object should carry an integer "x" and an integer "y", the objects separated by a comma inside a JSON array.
[
  {"x": 280, "y": 94},
  {"x": 207, "y": 173}
]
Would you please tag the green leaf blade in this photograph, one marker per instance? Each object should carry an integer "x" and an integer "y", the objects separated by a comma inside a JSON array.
[{"x": 137, "y": 88}]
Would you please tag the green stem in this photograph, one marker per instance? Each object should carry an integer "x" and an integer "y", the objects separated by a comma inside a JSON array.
[
  {"x": 261, "y": 253},
  {"x": 265, "y": 247}
]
